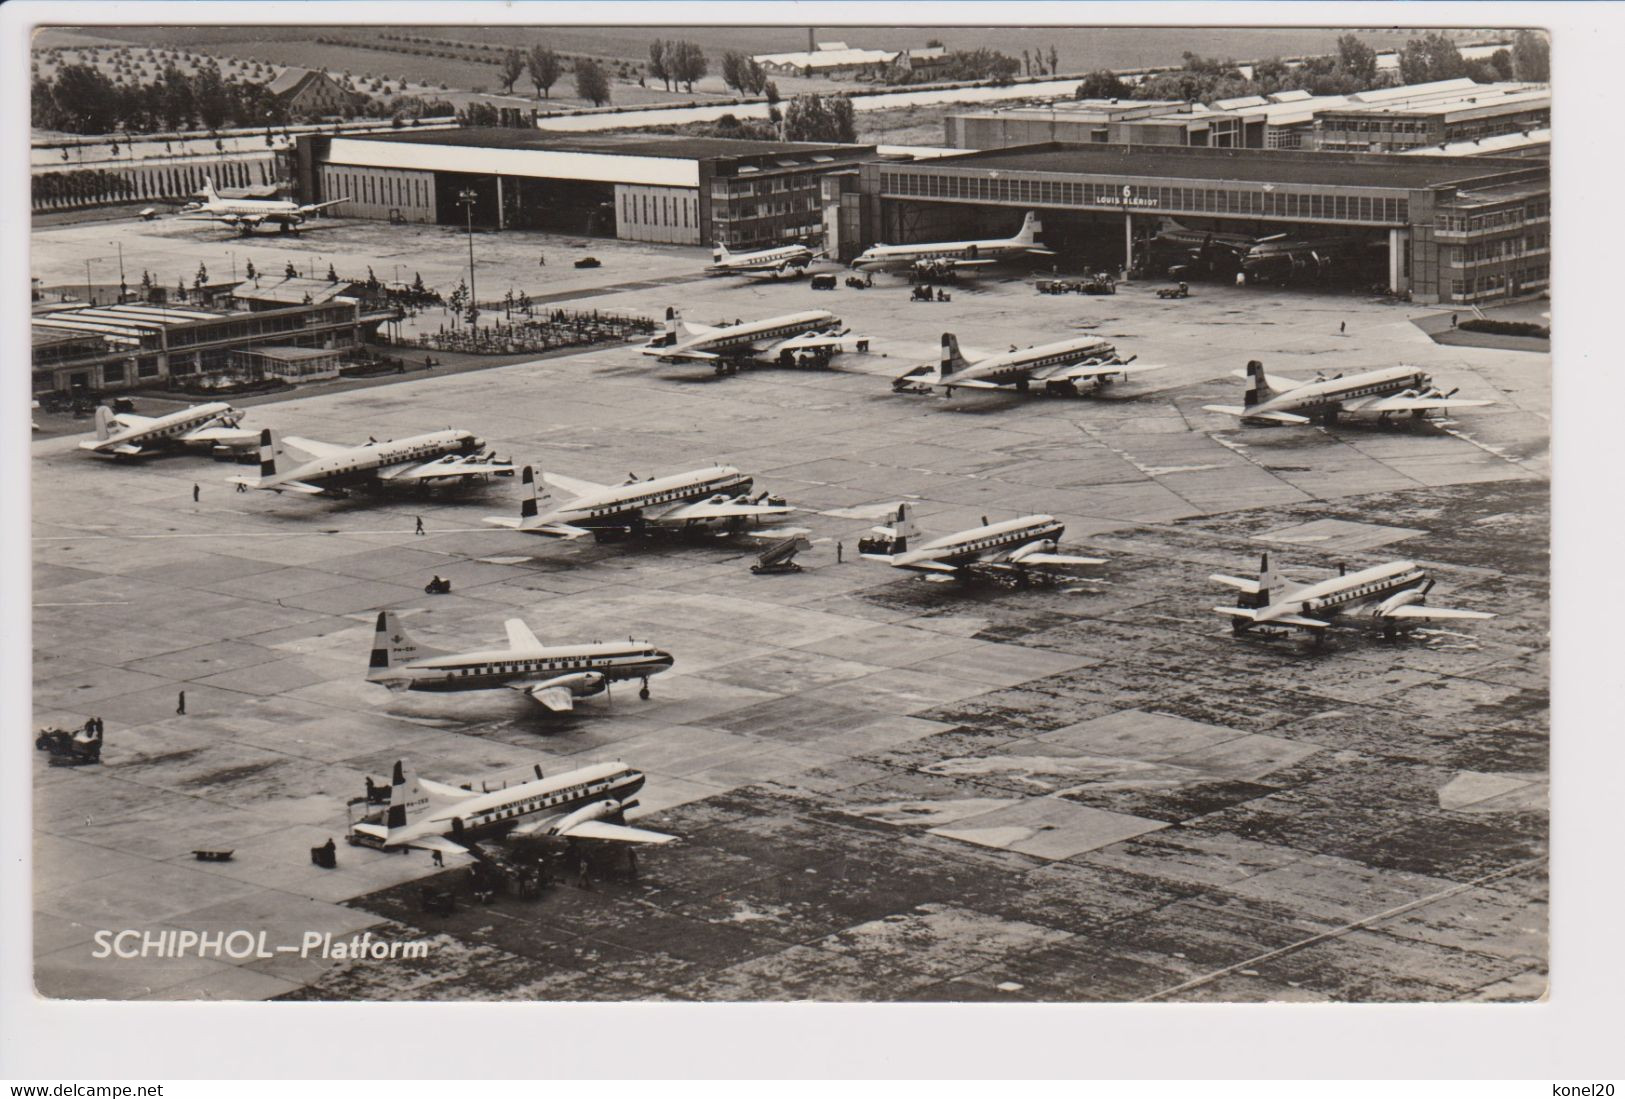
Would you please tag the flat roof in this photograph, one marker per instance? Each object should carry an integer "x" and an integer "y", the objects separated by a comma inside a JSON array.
[
  {"x": 291, "y": 354},
  {"x": 1241, "y": 165},
  {"x": 613, "y": 144}
]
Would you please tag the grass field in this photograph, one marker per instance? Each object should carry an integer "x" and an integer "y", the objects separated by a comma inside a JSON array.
[{"x": 1078, "y": 48}]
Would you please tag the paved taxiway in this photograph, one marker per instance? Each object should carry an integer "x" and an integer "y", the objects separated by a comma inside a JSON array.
[{"x": 885, "y": 789}]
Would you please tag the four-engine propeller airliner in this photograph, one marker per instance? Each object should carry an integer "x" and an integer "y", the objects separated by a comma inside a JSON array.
[
  {"x": 588, "y": 803},
  {"x": 1382, "y": 393},
  {"x": 700, "y": 498},
  {"x": 790, "y": 259},
  {"x": 248, "y": 214},
  {"x": 777, "y": 340},
  {"x": 946, "y": 257},
  {"x": 1398, "y": 589},
  {"x": 1058, "y": 367},
  {"x": 125, "y": 435},
  {"x": 1009, "y": 549},
  {"x": 553, "y": 675},
  {"x": 310, "y": 467}
]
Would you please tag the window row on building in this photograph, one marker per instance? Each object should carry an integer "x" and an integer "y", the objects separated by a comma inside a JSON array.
[
  {"x": 1197, "y": 200},
  {"x": 1498, "y": 284},
  {"x": 1514, "y": 217}
]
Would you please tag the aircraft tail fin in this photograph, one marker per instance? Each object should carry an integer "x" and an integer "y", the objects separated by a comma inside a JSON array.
[
  {"x": 208, "y": 189},
  {"x": 104, "y": 422},
  {"x": 1030, "y": 228},
  {"x": 527, "y": 498},
  {"x": 1258, "y": 385},
  {"x": 392, "y": 647},
  {"x": 904, "y": 528},
  {"x": 407, "y": 802},
  {"x": 270, "y": 451},
  {"x": 952, "y": 362},
  {"x": 1270, "y": 583},
  {"x": 720, "y": 253}
]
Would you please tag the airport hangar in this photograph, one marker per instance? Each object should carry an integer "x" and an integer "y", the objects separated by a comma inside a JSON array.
[
  {"x": 1457, "y": 229},
  {"x": 649, "y": 187}
]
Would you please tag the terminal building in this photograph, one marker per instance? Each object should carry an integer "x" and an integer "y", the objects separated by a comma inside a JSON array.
[
  {"x": 1452, "y": 229},
  {"x": 664, "y": 189},
  {"x": 86, "y": 349}
]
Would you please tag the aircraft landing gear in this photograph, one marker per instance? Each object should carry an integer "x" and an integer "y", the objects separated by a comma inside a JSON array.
[{"x": 643, "y": 692}]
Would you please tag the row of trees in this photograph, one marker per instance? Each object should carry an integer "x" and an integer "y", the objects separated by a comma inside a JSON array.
[
  {"x": 745, "y": 74},
  {"x": 677, "y": 63},
  {"x": 809, "y": 117},
  {"x": 82, "y": 99},
  {"x": 977, "y": 64},
  {"x": 1352, "y": 68}
]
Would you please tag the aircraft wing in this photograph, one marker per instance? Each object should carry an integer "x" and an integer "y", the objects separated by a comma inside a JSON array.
[
  {"x": 444, "y": 789},
  {"x": 1091, "y": 370},
  {"x": 449, "y": 466},
  {"x": 1408, "y": 404},
  {"x": 557, "y": 699},
  {"x": 439, "y": 843},
  {"x": 1251, "y": 587},
  {"x": 799, "y": 343},
  {"x": 571, "y": 485},
  {"x": 1282, "y": 620},
  {"x": 520, "y": 635},
  {"x": 314, "y": 447},
  {"x": 1057, "y": 559},
  {"x": 313, "y": 207},
  {"x": 929, "y": 566},
  {"x": 1275, "y": 381},
  {"x": 1040, "y": 251},
  {"x": 621, "y": 833},
  {"x": 555, "y": 530},
  {"x": 1413, "y": 610},
  {"x": 222, "y": 435},
  {"x": 683, "y": 513},
  {"x": 1248, "y": 414},
  {"x": 304, "y": 488},
  {"x": 668, "y": 354},
  {"x": 968, "y": 383}
]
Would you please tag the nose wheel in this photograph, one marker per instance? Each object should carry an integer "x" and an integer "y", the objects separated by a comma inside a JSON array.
[{"x": 643, "y": 692}]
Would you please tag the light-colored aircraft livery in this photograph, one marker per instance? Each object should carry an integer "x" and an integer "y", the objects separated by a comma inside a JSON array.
[
  {"x": 946, "y": 257},
  {"x": 588, "y": 803},
  {"x": 553, "y": 675},
  {"x": 1382, "y": 393},
  {"x": 314, "y": 468},
  {"x": 791, "y": 259},
  {"x": 1398, "y": 591},
  {"x": 777, "y": 340},
  {"x": 1011, "y": 548},
  {"x": 1058, "y": 367},
  {"x": 248, "y": 214},
  {"x": 709, "y": 497},
  {"x": 125, "y": 435}
]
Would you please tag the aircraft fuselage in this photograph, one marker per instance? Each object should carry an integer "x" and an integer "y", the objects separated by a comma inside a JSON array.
[
  {"x": 492, "y": 668},
  {"x": 1323, "y": 396},
  {"x": 361, "y": 463},
  {"x": 497, "y": 812}
]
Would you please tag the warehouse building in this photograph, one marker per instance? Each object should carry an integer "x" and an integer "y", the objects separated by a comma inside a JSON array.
[
  {"x": 673, "y": 190},
  {"x": 1392, "y": 120},
  {"x": 1452, "y": 229}
]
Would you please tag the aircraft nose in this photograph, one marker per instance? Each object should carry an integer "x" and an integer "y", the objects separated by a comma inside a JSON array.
[{"x": 664, "y": 659}]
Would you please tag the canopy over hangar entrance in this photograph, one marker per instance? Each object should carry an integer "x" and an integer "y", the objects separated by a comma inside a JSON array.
[{"x": 1436, "y": 245}]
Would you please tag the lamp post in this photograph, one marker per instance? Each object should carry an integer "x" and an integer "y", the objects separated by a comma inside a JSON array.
[
  {"x": 121, "y": 285},
  {"x": 466, "y": 199}
]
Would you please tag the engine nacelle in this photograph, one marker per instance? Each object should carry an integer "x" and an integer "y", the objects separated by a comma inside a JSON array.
[
  {"x": 1046, "y": 545},
  {"x": 581, "y": 684},
  {"x": 1402, "y": 599},
  {"x": 598, "y": 810}
]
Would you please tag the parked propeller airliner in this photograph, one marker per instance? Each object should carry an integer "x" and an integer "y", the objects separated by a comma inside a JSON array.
[
  {"x": 946, "y": 257},
  {"x": 1058, "y": 367},
  {"x": 125, "y": 435},
  {"x": 1399, "y": 591},
  {"x": 248, "y": 214},
  {"x": 1011, "y": 548},
  {"x": 713, "y": 496},
  {"x": 791, "y": 259},
  {"x": 313, "y": 468},
  {"x": 587, "y": 803},
  {"x": 1383, "y": 393},
  {"x": 553, "y": 675},
  {"x": 778, "y": 340}
]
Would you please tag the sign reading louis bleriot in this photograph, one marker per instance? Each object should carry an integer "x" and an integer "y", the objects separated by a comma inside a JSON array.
[{"x": 1129, "y": 198}]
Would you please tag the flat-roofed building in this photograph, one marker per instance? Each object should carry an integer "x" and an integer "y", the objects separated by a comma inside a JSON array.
[
  {"x": 1449, "y": 112},
  {"x": 1453, "y": 229},
  {"x": 829, "y": 59},
  {"x": 675, "y": 190}
]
